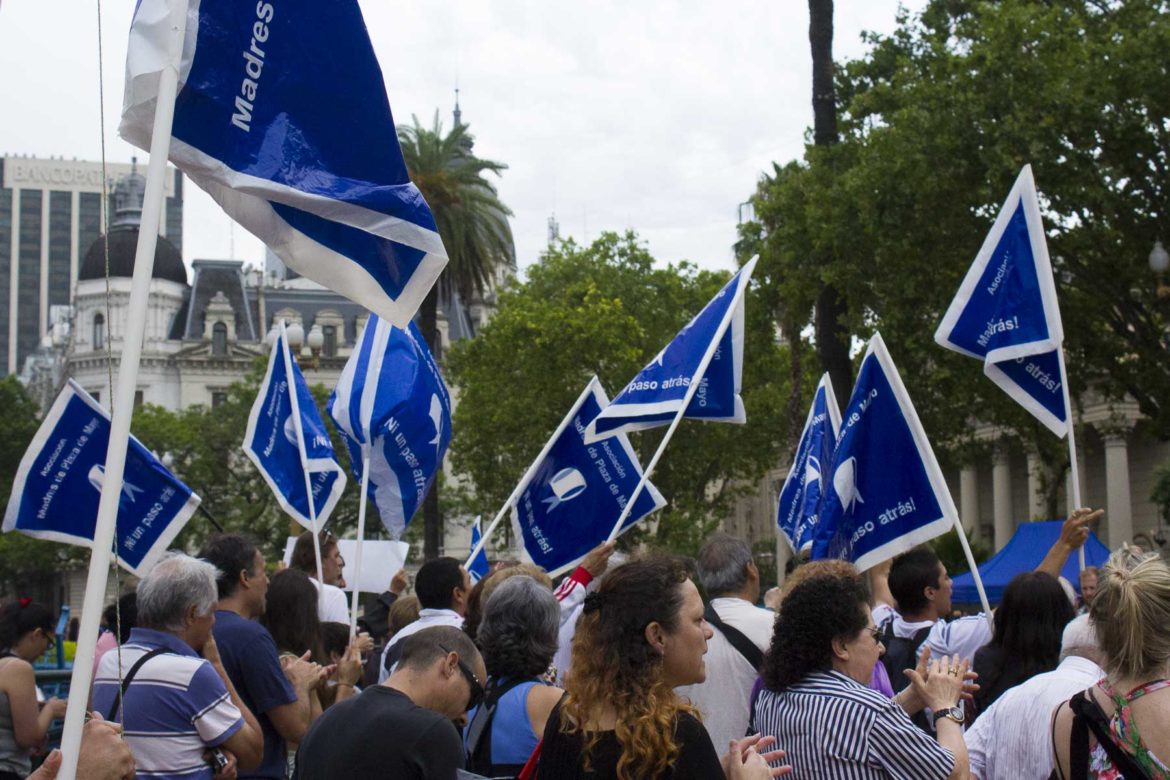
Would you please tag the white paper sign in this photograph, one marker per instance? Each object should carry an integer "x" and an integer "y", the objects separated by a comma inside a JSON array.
[{"x": 381, "y": 560}]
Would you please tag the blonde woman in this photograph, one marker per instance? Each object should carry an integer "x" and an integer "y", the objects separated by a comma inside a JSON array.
[{"x": 1131, "y": 612}]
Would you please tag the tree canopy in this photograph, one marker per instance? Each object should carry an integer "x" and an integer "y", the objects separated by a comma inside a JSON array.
[
  {"x": 607, "y": 309},
  {"x": 937, "y": 120}
]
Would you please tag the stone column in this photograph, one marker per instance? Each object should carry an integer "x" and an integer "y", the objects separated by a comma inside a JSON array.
[
  {"x": 1118, "y": 509},
  {"x": 1036, "y": 508},
  {"x": 1001, "y": 488},
  {"x": 969, "y": 499}
]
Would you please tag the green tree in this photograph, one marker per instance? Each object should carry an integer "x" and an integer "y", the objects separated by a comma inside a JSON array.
[
  {"x": 24, "y": 561},
  {"x": 473, "y": 223},
  {"x": 606, "y": 309},
  {"x": 936, "y": 122}
]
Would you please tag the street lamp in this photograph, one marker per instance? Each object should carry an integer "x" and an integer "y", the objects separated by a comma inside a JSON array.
[
  {"x": 316, "y": 341},
  {"x": 296, "y": 337},
  {"x": 1159, "y": 264}
]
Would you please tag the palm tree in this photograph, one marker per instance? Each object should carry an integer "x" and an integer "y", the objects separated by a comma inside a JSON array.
[{"x": 473, "y": 224}]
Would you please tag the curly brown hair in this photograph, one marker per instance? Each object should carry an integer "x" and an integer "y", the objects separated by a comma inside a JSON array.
[{"x": 614, "y": 666}]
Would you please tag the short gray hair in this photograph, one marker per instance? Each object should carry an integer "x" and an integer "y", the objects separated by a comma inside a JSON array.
[
  {"x": 175, "y": 584},
  {"x": 1080, "y": 639},
  {"x": 723, "y": 564},
  {"x": 518, "y": 634}
]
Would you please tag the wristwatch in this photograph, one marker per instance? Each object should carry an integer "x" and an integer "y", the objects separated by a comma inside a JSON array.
[{"x": 954, "y": 713}]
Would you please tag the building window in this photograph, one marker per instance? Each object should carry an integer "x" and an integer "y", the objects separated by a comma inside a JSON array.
[
  {"x": 218, "y": 398},
  {"x": 329, "y": 347},
  {"x": 99, "y": 331},
  {"x": 219, "y": 339},
  {"x": 137, "y": 398}
]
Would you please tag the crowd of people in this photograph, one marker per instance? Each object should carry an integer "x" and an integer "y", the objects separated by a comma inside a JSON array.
[{"x": 660, "y": 667}]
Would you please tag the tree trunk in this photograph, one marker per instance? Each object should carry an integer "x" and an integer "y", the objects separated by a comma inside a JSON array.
[
  {"x": 432, "y": 520},
  {"x": 832, "y": 341}
]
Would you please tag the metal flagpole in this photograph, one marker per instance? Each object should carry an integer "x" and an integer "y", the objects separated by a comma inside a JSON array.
[
  {"x": 296, "y": 415},
  {"x": 696, "y": 380},
  {"x": 363, "y": 500},
  {"x": 1073, "y": 466},
  {"x": 123, "y": 406},
  {"x": 529, "y": 472}
]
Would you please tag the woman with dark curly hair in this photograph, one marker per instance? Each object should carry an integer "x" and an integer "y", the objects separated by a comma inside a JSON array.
[
  {"x": 518, "y": 638},
  {"x": 1029, "y": 622},
  {"x": 817, "y": 704},
  {"x": 641, "y": 634}
]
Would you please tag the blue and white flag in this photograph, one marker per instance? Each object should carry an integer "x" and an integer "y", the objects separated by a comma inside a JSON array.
[
  {"x": 657, "y": 393},
  {"x": 271, "y": 441},
  {"x": 58, "y": 486},
  {"x": 391, "y": 403},
  {"x": 800, "y": 498},
  {"x": 888, "y": 493},
  {"x": 573, "y": 494},
  {"x": 479, "y": 566},
  {"x": 282, "y": 117},
  {"x": 1006, "y": 313}
]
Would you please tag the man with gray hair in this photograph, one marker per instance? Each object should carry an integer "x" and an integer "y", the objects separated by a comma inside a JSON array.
[
  {"x": 743, "y": 632},
  {"x": 1013, "y": 738},
  {"x": 177, "y": 707}
]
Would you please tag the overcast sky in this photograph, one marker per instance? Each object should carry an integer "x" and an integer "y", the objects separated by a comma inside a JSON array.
[{"x": 657, "y": 116}]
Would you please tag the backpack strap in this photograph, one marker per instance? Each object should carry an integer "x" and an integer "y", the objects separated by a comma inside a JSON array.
[
  {"x": 479, "y": 731},
  {"x": 117, "y": 703},
  {"x": 746, "y": 647},
  {"x": 1089, "y": 713}
]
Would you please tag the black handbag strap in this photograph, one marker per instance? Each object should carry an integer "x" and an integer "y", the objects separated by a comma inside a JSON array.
[
  {"x": 1088, "y": 715},
  {"x": 117, "y": 704},
  {"x": 479, "y": 734},
  {"x": 746, "y": 647}
]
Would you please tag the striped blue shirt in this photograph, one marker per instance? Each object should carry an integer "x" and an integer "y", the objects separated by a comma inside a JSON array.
[
  {"x": 833, "y": 727},
  {"x": 175, "y": 708}
]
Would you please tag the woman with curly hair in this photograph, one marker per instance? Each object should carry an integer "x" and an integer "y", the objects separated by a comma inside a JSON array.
[
  {"x": 641, "y": 634},
  {"x": 817, "y": 703},
  {"x": 518, "y": 637}
]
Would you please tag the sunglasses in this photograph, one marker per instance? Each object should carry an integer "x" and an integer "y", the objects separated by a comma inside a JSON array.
[{"x": 475, "y": 697}]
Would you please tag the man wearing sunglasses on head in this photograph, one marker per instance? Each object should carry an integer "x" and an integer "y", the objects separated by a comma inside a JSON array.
[{"x": 406, "y": 727}]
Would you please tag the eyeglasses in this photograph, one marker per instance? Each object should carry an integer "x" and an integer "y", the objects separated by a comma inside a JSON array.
[
  {"x": 876, "y": 633},
  {"x": 475, "y": 698}
]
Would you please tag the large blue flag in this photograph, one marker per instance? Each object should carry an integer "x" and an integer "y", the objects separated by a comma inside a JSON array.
[
  {"x": 1006, "y": 313},
  {"x": 282, "y": 117},
  {"x": 59, "y": 483},
  {"x": 271, "y": 440},
  {"x": 888, "y": 493},
  {"x": 657, "y": 393},
  {"x": 391, "y": 403},
  {"x": 800, "y": 498},
  {"x": 479, "y": 566},
  {"x": 574, "y": 493}
]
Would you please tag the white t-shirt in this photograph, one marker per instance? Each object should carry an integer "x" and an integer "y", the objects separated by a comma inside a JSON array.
[
  {"x": 724, "y": 697},
  {"x": 333, "y": 608},
  {"x": 962, "y": 636}
]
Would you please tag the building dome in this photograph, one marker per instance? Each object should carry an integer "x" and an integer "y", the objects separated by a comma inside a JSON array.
[{"x": 168, "y": 263}]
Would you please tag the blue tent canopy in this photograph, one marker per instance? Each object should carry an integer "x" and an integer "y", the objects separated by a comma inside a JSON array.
[{"x": 1023, "y": 552}]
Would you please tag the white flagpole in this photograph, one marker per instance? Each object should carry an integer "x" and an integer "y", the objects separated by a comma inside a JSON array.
[
  {"x": 576, "y": 407},
  {"x": 363, "y": 500},
  {"x": 974, "y": 570},
  {"x": 1074, "y": 468},
  {"x": 286, "y": 353},
  {"x": 696, "y": 380},
  {"x": 123, "y": 406}
]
